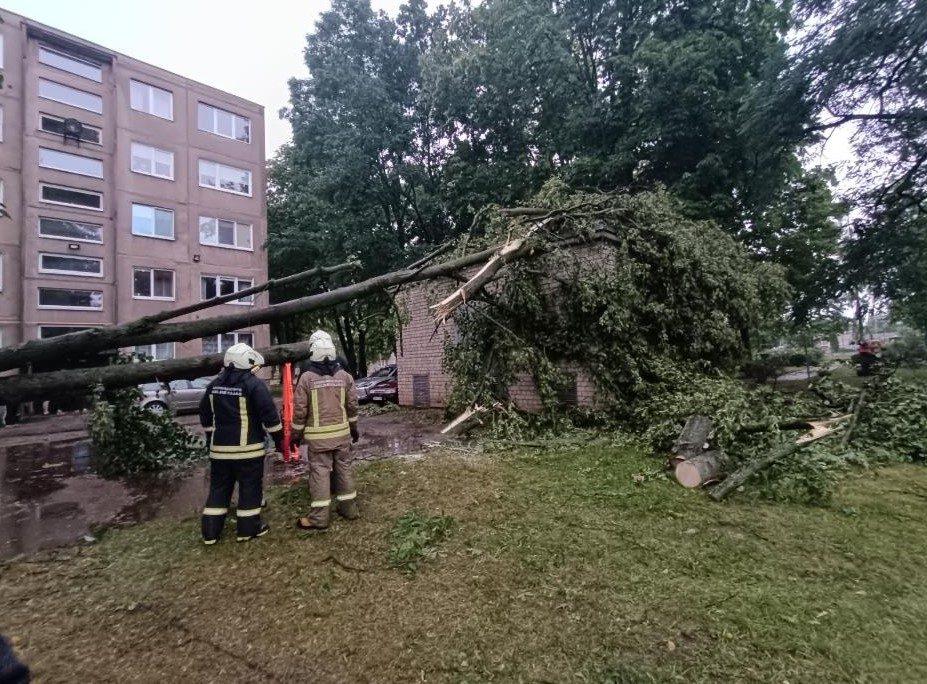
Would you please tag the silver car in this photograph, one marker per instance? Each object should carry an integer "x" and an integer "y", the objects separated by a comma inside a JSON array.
[{"x": 176, "y": 396}]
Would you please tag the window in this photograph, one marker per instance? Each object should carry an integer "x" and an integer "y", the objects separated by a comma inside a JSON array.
[
  {"x": 46, "y": 331},
  {"x": 155, "y": 101},
  {"x": 156, "y": 352},
  {"x": 152, "y": 283},
  {"x": 225, "y": 233},
  {"x": 152, "y": 161},
  {"x": 72, "y": 65},
  {"x": 54, "y": 298},
  {"x": 72, "y": 197},
  {"x": 70, "y": 96},
  {"x": 72, "y": 163},
  {"x": 217, "y": 344},
  {"x": 70, "y": 265},
  {"x": 225, "y": 178},
  {"x": 54, "y": 124},
  {"x": 217, "y": 286},
  {"x": 65, "y": 229},
  {"x": 152, "y": 222},
  {"x": 214, "y": 120}
]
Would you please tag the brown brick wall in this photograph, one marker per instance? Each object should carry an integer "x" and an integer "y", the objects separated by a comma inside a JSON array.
[{"x": 421, "y": 349}]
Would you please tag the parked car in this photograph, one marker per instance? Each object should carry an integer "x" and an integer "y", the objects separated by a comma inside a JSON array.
[
  {"x": 365, "y": 385},
  {"x": 388, "y": 390},
  {"x": 176, "y": 396}
]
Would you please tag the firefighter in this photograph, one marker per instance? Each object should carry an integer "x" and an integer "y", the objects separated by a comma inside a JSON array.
[
  {"x": 325, "y": 416},
  {"x": 235, "y": 412}
]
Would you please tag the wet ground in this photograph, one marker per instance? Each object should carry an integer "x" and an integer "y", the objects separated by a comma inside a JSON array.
[{"x": 49, "y": 496}]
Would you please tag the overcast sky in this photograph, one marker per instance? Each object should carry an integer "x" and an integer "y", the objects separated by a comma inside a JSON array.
[{"x": 246, "y": 48}]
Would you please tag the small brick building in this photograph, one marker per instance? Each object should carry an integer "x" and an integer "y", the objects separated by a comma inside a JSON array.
[{"x": 423, "y": 379}]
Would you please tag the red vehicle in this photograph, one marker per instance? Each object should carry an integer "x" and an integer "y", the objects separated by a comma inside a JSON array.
[{"x": 385, "y": 391}]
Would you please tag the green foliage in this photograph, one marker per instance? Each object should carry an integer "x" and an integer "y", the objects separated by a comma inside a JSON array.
[
  {"x": 666, "y": 288},
  {"x": 909, "y": 349},
  {"x": 127, "y": 439},
  {"x": 414, "y": 538}
]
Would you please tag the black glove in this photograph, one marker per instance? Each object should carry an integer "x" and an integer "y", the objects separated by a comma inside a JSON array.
[
  {"x": 278, "y": 441},
  {"x": 355, "y": 435},
  {"x": 296, "y": 438}
]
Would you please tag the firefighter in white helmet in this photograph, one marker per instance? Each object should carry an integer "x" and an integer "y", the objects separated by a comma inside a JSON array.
[
  {"x": 325, "y": 416},
  {"x": 235, "y": 412}
]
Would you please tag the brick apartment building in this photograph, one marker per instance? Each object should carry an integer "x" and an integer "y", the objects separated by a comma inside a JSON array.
[{"x": 130, "y": 190}]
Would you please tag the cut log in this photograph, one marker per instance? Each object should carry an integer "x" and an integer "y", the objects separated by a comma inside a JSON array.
[
  {"x": 800, "y": 424},
  {"x": 735, "y": 480},
  {"x": 701, "y": 469},
  {"x": 692, "y": 439}
]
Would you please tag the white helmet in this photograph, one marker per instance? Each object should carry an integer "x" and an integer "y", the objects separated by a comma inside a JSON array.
[
  {"x": 321, "y": 347},
  {"x": 242, "y": 356}
]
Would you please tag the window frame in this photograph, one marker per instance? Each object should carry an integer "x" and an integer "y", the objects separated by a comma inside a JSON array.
[
  {"x": 215, "y": 121},
  {"x": 69, "y": 239},
  {"x": 43, "y": 185},
  {"x": 70, "y": 104},
  {"x": 152, "y": 347},
  {"x": 60, "y": 307},
  {"x": 237, "y": 279},
  {"x": 218, "y": 187},
  {"x": 64, "y": 55},
  {"x": 218, "y": 338},
  {"x": 151, "y": 270},
  {"x": 154, "y": 221},
  {"x": 150, "y": 99},
  {"x": 220, "y": 244},
  {"x": 78, "y": 274},
  {"x": 86, "y": 126},
  {"x": 65, "y": 170},
  {"x": 153, "y": 149},
  {"x": 72, "y": 328}
]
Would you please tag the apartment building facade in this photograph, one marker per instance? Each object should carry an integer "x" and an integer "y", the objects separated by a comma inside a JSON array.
[{"x": 130, "y": 190}]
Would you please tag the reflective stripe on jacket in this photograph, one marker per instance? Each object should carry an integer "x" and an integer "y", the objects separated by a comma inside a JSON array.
[
  {"x": 324, "y": 406},
  {"x": 237, "y": 408}
]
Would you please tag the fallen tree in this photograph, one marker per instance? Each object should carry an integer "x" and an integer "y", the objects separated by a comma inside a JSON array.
[{"x": 24, "y": 387}]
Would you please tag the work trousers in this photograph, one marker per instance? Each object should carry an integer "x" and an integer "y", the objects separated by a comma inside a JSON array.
[
  {"x": 321, "y": 482},
  {"x": 223, "y": 474}
]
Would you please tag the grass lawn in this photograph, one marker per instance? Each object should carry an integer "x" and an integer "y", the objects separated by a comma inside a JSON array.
[{"x": 560, "y": 567}]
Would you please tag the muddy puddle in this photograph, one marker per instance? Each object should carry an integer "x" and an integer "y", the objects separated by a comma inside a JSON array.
[{"x": 50, "y": 497}]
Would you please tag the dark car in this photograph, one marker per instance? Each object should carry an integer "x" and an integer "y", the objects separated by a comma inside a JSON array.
[
  {"x": 365, "y": 385},
  {"x": 388, "y": 390}
]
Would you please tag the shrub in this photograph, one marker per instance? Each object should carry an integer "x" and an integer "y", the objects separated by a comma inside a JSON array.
[{"x": 128, "y": 439}]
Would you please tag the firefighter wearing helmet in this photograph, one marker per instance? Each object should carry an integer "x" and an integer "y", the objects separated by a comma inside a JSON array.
[
  {"x": 235, "y": 412},
  {"x": 325, "y": 417}
]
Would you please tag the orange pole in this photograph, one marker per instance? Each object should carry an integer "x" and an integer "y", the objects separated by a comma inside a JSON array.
[{"x": 287, "y": 373}]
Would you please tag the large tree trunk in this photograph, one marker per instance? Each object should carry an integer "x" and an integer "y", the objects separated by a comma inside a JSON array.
[
  {"x": 22, "y": 388},
  {"x": 15, "y": 388},
  {"x": 127, "y": 335}
]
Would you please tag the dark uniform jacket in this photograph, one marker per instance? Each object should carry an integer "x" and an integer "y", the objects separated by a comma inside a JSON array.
[{"x": 237, "y": 408}]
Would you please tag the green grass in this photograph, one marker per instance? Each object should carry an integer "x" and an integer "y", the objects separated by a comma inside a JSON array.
[
  {"x": 562, "y": 566},
  {"x": 415, "y": 537}
]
